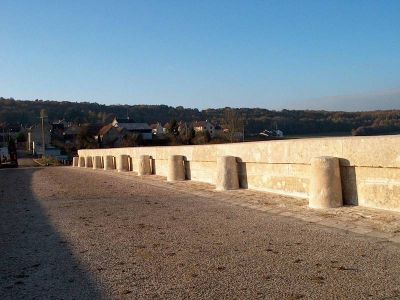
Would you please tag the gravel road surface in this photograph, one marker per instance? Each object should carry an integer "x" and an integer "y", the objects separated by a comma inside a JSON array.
[{"x": 69, "y": 233}]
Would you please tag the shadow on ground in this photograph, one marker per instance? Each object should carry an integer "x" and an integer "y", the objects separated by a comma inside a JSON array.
[{"x": 36, "y": 262}]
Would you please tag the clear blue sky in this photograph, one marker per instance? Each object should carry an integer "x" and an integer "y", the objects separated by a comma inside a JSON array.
[{"x": 272, "y": 54}]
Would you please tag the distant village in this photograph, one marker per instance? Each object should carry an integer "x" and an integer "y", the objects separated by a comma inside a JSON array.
[{"x": 62, "y": 139}]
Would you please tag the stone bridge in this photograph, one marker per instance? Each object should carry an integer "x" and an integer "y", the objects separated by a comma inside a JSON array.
[
  {"x": 83, "y": 233},
  {"x": 330, "y": 172}
]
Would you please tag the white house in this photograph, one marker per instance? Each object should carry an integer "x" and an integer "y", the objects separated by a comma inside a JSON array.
[{"x": 203, "y": 126}]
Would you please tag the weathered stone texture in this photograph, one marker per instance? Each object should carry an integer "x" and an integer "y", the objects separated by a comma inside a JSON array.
[
  {"x": 325, "y": 185},
  {"x": 176, "y": 168},
  {"x": 227, "y": 177},
  {"x": 122, "y": 162},
  {"x": 97, "y": 163},
  {"x": 370, "y": 166},
  {"x": 144, "y": 165},
  {"x": 108, "y": 161}
]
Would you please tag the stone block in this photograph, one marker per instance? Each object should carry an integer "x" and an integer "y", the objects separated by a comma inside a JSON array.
[
  {"x": 97, "y": 163},
  {"x": 176, "y": 168},
  {"x": 144, "y": 165},
  {"x": 108, "y": 162},
  {"x": 88, "y": 162},
  {"x": 122, "y": 163},
  {"x": 81, "y": 162},
  {"x": 325, "y": 183},
  {"x": 227, "y": 177}
]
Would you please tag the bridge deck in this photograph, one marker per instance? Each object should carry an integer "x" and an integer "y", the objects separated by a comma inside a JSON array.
[{"x": 91, "y": 234}]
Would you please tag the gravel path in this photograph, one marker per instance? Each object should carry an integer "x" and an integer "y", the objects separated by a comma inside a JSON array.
[{"x": 72, "y": 233}]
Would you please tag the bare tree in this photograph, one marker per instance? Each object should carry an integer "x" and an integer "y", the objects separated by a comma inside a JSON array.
[
  {"x": 233, "y": 124},
  {"x": 186, "y": 133}
]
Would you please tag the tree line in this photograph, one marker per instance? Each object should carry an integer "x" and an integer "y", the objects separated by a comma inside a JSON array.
[{"x": 255, "y": 120}]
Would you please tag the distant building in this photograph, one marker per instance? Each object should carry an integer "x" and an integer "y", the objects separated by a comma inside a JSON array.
[
  {"x": 203, "y": 126},
  {"x": 71, "y": 133},
  {"x": 276, "y": 133},
  {"x": 130, "y": 125},
  {"x": 9, "y": 131},
  {"x": 111, "y": 136},
  {"x": 157, "y": 129},
  {"x": 57, "y": 130}
]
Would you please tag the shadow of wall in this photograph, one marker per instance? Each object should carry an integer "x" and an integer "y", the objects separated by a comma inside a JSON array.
[
  {"x": 36, "y": 261},
  {"x": 188, "y": 172},
  {"x": 349, "y": 182},
  {"x": 242, "y": 171}
]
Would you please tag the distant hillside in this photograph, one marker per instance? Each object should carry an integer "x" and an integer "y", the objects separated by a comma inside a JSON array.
[{"x": 256, "y": 119}]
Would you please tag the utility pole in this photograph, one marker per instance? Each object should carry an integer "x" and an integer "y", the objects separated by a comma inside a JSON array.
[{"x": 42, "y": 116}]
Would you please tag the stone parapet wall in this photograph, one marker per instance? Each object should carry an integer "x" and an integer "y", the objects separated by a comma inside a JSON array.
[{"x": 370, "y": 166}]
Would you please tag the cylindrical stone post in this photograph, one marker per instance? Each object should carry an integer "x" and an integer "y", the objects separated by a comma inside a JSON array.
[
  {"x": 108, "y": 162},
  {"x": 88, "y": 162},
  {"x": 176, "y": 168},
  {"x": 144, "y": 165},
  {"x": 122, "y": 163},
  {"x": 325, "y": 183},
  {"x": 75, "y": 160},
  {"x": 81, "y": 162},
  {"x": 227, "y": 173},
  {"x": 97, "y": 162}
]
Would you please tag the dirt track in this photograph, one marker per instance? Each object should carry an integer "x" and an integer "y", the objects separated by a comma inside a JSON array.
[{"x": 73, "y": 233}]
